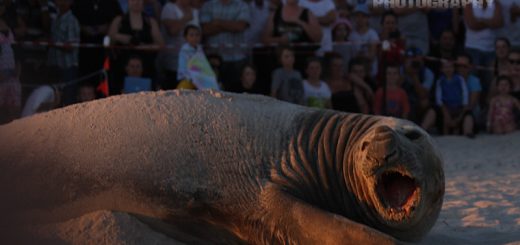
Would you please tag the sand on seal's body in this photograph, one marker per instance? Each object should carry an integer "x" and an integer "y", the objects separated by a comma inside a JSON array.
[
  {"x": 481, "y": 204},
  {"x": 265, "y": 170}
]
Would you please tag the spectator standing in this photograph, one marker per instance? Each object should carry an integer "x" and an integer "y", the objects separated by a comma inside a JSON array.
[
  {"x": 325, "y": 12},
  {"x": 286, "y": 82},
  {"x": 441, "y": 19},
  {"x": 397, "y": 104},
  {"x": 316, "y": 93},
  {"x": 175, "y": 17},
  {"x": 261, "y": 55},
  {"x": 294, "y": 25},
  {"x": 35, "y": 15},
  {"x": 341, "y": 30},
  {"x": 482, "y": 22},
  {"x": 392, "y": 45},
  {"x": 9, "y": 14},
  {"x": 224, "y": 22},
  {"x": 10, "y": 88},
  {"x": 35, "y": 26},
  {"x": 413, "y": 23},
  {"x": 94, "y": 17},
  {"x": 151, "y": 8},
  {"x": 501, "y": 117},
  {"x": 65, "y": 29},
  {"x": 364, "y": 38},
  {"x": 134, "y": 29},
  {"x": 511, "y": 28}
]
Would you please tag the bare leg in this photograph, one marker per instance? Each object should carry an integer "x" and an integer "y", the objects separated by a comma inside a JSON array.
[
  {"x": 429, "y": 119},
  {"x": 468, "y": 126}
]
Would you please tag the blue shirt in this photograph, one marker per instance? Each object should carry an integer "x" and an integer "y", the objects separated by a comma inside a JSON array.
[
  {"x": 451, "y": 92},
  {"x": 187, "y": 51},
  {"x": 473, "y": 84}
]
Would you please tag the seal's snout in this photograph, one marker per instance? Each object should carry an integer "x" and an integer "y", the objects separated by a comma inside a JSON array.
[{"x": 382, "y": 147}]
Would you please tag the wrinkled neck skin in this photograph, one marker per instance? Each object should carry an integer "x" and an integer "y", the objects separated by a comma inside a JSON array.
[
  {"x": 331, "y": 164},
  {"x": 316, "y": 155}
]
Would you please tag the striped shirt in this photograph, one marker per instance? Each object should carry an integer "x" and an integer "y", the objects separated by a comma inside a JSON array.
[
  {"x": 234, "y": 10},
  {"x": 64, "y": 29}
]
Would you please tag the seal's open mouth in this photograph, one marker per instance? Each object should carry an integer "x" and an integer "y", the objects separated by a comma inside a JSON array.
[{"x": 397, "y": 191}]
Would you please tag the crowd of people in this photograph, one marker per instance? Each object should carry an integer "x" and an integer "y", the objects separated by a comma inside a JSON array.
[{"x": 450, "y": 70}]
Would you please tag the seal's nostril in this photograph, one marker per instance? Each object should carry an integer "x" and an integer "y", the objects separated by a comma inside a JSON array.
[
  {"x": 365, "y": 145},
  {"x": 391, "y": 156}
]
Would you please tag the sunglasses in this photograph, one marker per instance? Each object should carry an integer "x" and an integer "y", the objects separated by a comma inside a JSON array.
[{"x": 514, "y": 61}]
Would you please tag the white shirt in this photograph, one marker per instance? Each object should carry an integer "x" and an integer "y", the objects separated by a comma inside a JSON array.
[
  {"x": 361, "y": 41},
  {"x": 316, "y": 96},
  {"x": 260, "y": 16},
  {"x": 484, "y": 39},
  {"x": 320, "y": 9},
  {"x": 511, "y": 30}
]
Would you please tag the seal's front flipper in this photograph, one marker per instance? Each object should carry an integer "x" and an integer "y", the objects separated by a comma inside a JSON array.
[{"x": 306, "y": 224}]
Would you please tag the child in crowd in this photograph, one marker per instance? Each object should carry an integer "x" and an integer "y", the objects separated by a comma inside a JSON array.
[
  {"x": 134, "y": 80},
  {"x": 452, "y": 97},
  {"x": 316, "y": 93},
  {"x": 341, "y": 30},
  {"x": 192, "y": 35},
  {"x": 248, "y": 79},
  {"x": 365, "y": 39},
  {"x": 86, "y": 93},
  {"x": 501, "y": 117},
  {"x": 286, "y": 81},
  {"x": 397, "y": 104}
]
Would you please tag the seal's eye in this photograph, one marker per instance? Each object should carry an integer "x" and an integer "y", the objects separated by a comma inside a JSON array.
[
  {"x": 413, "y": 134},
  {"x": 396, "y": 190}
]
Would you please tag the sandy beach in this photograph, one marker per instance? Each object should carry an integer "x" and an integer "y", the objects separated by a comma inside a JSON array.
[{"x": 482, "y": 201}]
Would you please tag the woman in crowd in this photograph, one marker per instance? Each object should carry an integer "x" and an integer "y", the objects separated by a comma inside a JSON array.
[
  {"x": 346, "y": 96},
  {"x": 292, "y": 24},
  {"x": 135, "y": 29},
  {"x": 501, "y": 62}
]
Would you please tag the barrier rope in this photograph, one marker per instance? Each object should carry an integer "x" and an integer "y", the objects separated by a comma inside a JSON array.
[
  {"x": 71, "y": 82},
  {"x": 157, "y": 48}
]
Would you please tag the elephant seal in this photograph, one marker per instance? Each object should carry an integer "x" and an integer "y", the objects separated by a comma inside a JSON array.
[{"x": 267, "y": 171}]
